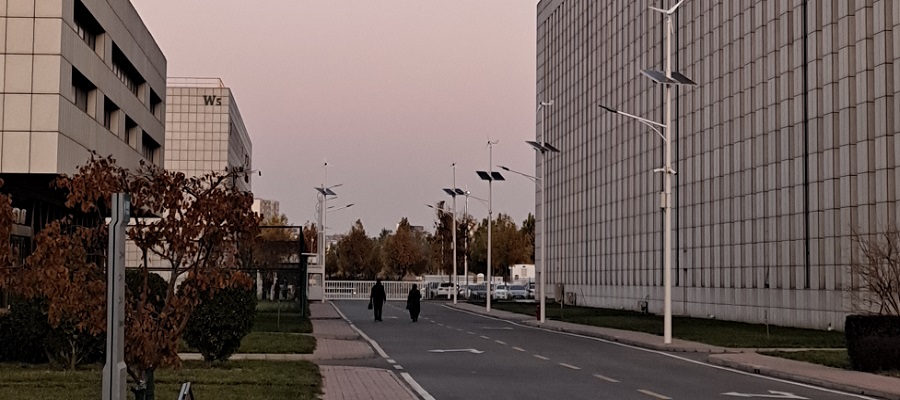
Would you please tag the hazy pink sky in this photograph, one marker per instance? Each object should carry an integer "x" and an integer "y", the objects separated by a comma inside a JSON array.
[{"x": 389, "y": 92}]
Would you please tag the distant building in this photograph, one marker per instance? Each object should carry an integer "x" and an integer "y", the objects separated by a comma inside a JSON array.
[
  {"x": 266, "y": 208},
  {"x": 76, "y": 76},
  {"x": 205, "y": 132}
]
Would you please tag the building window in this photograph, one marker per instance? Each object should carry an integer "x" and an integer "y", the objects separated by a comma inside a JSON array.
[
  {"x": 110, "y": 120},
  {"x": 149, "y": 148},
  {"x": 125, "y": 71},
  {"x": 155, "y": 105},
  {"x": 130, "y": 132},
  {"x": 82, "y": 89},
  {"x": 86, "y": 26}
]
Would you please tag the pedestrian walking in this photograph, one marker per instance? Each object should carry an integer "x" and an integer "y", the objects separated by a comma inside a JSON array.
[
  {"x": 377, "y": 299},
  {"x": 413, "y": 304}
]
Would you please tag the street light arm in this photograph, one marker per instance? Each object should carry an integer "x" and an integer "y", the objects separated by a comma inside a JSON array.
[
  {"x": 652, "y": 124},
  {"x": 534, "y": 179}
]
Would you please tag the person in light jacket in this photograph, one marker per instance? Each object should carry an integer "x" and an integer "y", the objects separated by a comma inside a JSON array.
[
  {"x": 413, "y": 304},
  {"x": 377, "y": 298}
]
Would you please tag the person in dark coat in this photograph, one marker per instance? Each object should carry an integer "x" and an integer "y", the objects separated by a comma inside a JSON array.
[
  {"x": 412, "y": 303},
  {"x": 377, "y": 298}
]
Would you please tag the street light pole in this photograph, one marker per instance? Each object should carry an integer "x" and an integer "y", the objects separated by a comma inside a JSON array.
[
  {"x": 455, "y": 281},
  {"x": 490, "y": 175},
  {"x": 542, "y": 149},
  {"x": 668, "y": 78}
]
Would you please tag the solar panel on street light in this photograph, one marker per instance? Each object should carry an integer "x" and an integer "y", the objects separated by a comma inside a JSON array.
[
  {"x": 497, "y": 176},
  {"x": 483, "y": 175}
]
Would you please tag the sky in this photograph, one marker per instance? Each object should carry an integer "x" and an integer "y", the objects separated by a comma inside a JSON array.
[{"x": 389, "y": 93}]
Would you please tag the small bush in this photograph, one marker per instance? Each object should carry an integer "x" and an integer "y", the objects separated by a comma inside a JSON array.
[
  {"x": 218, "y": 324},
  {"x": 156, "y": 284},
  {"x": 22, "y": 333},
  {"x": 873, "y": 342}
]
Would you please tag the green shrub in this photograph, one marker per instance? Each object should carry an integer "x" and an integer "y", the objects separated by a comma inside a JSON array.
[
  {"x": 156, "y": 284},
  {"x": 873, "y": 342},
  {"x": 22, "y": 333},
  {"x": 67, "y": 346},
  {"x": 218, "y": 324}
]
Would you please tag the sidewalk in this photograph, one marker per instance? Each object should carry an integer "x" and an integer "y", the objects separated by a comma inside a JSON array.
[
  {"x": 337, "y": 340},
  {"x": 741, "y": 359}
]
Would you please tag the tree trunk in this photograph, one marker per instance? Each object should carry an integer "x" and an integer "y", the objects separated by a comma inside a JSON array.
[{"x": 146, "y": 388}]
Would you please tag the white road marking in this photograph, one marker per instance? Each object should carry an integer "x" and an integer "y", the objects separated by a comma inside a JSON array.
[
  {"x": 569, "y": 366},
  {"x": 415, "y": 385},
  {"x": 500, "y": 342},
  {"x": 473, "y": 351},
  {"x": 606, "y": 378},
  {"x": 518, "y": 349},
  {"x": 471, "y": 333},
  {"x": 666, "y": 354},
  {"x": 657, "y": 395},
  {"x": 485, "y": 337},
  {"x": 397, "y": 366},
  {"x": 772, "y": 395},
  {"x": 541, "y": 357},
  {"x": 391, "y": 361}
]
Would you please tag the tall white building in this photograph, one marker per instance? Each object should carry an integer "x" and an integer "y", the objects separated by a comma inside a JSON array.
[
  {"x": 75, "y": 76},
  {"x": 788, "y": 145},
  {"x": 266, "y": 208},
  {"x": 205, "y": 132}
]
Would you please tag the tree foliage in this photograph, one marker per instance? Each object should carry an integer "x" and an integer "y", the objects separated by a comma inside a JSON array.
[
  {"x": 354, "y": 255},
  {"x": 404, "y": 252},
  {"x": 876, "y": 287},
  {"x": 195, "y": 225},
  {"x": 508, "y": 246},
  {"x": 8, "y": 256}
]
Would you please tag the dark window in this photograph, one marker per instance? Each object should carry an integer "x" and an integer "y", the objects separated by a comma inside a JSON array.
[
  {"x": 149, "y": 148},
  {"x": 155, "y": 104},
  {"x": 125, "y": 71},
  {"x": 109, "y": 115},
  {"x": 82, "y": 88},
  {"x": 86, "y": 26},
  {"x": 130, "y": 128}
]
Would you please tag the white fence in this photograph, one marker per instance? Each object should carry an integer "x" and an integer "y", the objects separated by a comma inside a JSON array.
[{"x": 360, "y": 290}]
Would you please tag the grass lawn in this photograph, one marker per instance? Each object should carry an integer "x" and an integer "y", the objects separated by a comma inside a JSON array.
[
  {"x": 280, "y": 317},
  {"x": 245, "y": 380},
  {"x": 709, "y": 331},
  {"x": 828, "y": 358},
  {"x": 277, "y": 343}
]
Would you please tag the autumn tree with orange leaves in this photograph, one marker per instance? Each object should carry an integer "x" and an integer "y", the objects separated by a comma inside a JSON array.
[{"x": 196, "y": 226}]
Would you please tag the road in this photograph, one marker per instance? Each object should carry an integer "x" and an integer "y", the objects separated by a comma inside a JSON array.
[{"x": 453, "y": 354}]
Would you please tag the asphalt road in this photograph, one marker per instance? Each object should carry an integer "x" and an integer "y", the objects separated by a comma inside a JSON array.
[{"x": 453, "y": 354}]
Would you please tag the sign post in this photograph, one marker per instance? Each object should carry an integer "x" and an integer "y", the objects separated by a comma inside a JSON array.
[{"x": 114, "y": 379}]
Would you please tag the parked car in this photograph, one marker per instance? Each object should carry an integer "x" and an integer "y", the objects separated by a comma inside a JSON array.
[
  {"x": 517, "y": 292},
  {"x": 477, "y": 291},
  {"x": 531, "y": 292},
  {"x": 501, "y": 292},
  {"x": 441, "y": 289}
]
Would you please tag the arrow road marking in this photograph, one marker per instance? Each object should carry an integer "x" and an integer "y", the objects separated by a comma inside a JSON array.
[
  {"x": 773, "y": 395},
  {"x": 473, "y": 351}
]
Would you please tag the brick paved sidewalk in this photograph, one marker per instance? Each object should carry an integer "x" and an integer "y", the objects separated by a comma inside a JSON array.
[
  {"x": 358, "y": 383},
  {"x": 333, "y": 329},
  {"x": 319, "y": 310}
]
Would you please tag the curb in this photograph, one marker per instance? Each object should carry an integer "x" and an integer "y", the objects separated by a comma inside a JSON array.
[{"x": 767, "y": 371}]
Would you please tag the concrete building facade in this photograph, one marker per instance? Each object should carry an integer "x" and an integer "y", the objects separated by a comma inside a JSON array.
[
  {"x": 204, "y": 130},
  {"x": 76, "y": 76},
  {"x": 267, "y": 209},
  {"x": 785, "y": 149}
]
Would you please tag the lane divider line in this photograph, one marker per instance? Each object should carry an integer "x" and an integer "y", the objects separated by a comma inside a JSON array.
[
  {"x": 541, "y": 357},
  {"x": 605, "y": 378},
  {"x": 518, "y": 349},
  {"x": 485, "y": 337},
  {"x": 651, "y": 394},
  {"x": 500, "y": 342},
  {"x": 391, "y": 361},
  {"x": 397, "y": 366},
  {"x": 569, "y": 366}
]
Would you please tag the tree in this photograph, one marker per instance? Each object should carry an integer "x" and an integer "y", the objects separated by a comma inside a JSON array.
[
  {"x": 197, "y": 226},
  {"x": 275, "y": 246},
  {"x": 442, "y": 240},
  {"x": 354, "y": 254},
  {"x": 8, "y": 256},
  {"x": 876, "y": 287},
  {"x": 527, "y": 233},
  {"x": 508, "y": 246},
  {"x": 404, "y": 252}
]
